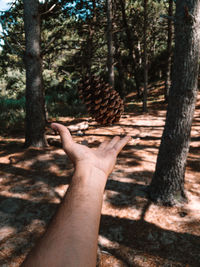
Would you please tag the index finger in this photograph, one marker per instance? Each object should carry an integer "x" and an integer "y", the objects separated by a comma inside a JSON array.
[
  {"x": 65, "y": 135},
  {"x": 121, "y": 143}
]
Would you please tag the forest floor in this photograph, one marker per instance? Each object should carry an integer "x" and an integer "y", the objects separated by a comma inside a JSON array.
[{"x": 133, "y": 231}]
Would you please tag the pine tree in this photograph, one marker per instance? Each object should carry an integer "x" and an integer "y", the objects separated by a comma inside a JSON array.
[
  {"x": 167, "y": 186},
  {"x": 169, "y": 50},
  {"x": 35, "y": 110},
  {"x": 110, "y": 60},
  {"x": 145, "y": 60}
]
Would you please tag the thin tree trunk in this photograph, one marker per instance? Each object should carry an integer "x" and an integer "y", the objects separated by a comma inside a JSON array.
[
  {"x": 110, "y": 60},
  {"x": 120, "y": 68},
  {"x": 169, "y": 52},
  {"x": 167, "y": 186},
  {"x": 133, "y": 52},
  {"x": 88, "y": 50},
  {"x": 145, "y": 64},
  {"x": 35, "y": 108}
]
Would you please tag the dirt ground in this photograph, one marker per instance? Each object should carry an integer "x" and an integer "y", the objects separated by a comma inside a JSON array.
[{"x": 133, "y": 231}]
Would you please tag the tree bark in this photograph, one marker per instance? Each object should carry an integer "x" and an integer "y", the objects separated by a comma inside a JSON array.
[
  {"x": 87, "y": 51},
  {"x": 167, "y": 186},
  {"x": 133, "y": 50},
  {"x": 120, "y": 68},
  {"x": 35, "y": 108},
  {"x": 169, "y": 51},
  {"x": 110, "y": 59},
  {"x": 145, "y": 64}
]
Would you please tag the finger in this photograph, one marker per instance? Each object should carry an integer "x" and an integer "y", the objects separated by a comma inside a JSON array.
[
  {"x": 65, "y": 135},
  {"x": 113, "y": 142},
  {"x": 119, "y": 145},
  {"x": 103, "y": 145}
]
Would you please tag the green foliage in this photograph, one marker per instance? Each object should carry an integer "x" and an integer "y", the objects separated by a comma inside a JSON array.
[
  {"x": 62, "y": 96},
  {"x": 73, "y": 42},
  {"x": 12, "y": 114},
  {"x": 13, "y": 84}
]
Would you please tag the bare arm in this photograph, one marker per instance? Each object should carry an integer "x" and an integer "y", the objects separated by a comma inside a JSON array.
[{"x": 71, "y": 238}]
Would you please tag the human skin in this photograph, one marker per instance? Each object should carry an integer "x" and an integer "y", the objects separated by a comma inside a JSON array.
[{"x": 72, "y": 236}]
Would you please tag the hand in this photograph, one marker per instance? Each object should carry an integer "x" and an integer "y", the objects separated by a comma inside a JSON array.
[{"x": 103, "y": 158}]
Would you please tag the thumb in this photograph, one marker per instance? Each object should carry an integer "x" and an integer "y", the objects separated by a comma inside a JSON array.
[{"x": 65, "y": 135}]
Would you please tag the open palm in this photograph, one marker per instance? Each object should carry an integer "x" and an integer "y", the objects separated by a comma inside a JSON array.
[{"x": 102, "y": 158}]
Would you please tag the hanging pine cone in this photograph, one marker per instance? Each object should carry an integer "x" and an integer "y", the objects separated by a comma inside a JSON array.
[{"x": 103, "y": 103}]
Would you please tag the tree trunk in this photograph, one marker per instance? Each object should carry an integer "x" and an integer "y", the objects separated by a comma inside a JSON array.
[
  {"x": 110, "y": 60},
  {"x": 145, "y": 65},
  {"x": 120, "y": 68},
  {"x": 88, "y": 48},
  {"x": 167, "y": 186},
  {"x": 169, "y": 52},
  {"x": 35, "y": 108},
  {"x": 133, "y": 50}
]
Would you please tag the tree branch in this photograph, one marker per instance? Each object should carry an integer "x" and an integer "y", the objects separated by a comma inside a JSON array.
[{"x": 48, "y": 11}]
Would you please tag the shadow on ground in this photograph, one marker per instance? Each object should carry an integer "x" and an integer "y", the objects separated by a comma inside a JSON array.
[{"x": 141, "y": 236}]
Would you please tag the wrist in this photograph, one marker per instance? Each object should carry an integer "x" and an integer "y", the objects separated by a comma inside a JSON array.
[
  {"x": 89, "y": 169},
  {"x": 88, "y": 175}
]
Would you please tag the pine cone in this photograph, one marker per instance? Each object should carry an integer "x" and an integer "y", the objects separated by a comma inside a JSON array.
[{"x": 102, "y": 101}]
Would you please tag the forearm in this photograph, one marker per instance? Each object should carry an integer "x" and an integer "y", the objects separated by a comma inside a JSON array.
[{"x": 71, "y": 239}]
